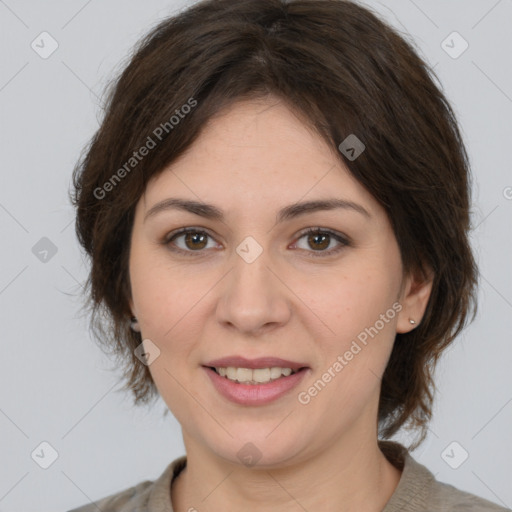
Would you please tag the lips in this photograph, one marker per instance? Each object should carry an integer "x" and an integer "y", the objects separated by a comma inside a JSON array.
[
  {"x": 252, "y": 395},
  {"x": 260, "y": 362}
]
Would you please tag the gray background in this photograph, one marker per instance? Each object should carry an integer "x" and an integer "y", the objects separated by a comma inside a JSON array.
[{"x": 56, "y": 386}]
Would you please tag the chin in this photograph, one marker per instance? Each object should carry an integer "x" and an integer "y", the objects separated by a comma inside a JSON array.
[{"x": 260, "y": 450}]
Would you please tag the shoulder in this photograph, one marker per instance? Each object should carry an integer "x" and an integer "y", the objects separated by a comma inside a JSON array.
[
  {"x": 446, "y": 497},
  {"x": 129, "y": 499},
  {"x": 147, "y": 495},
  {"x": 419, "y": 491}
]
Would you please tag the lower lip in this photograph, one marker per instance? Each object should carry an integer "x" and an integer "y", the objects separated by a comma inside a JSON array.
[{"x": 254, "y": 394}]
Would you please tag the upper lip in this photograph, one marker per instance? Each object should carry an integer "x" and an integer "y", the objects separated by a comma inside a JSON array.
[{"x": 260, "y": 362}]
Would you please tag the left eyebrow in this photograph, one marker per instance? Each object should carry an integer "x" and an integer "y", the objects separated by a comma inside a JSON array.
[{"x": 211, "y": 211}]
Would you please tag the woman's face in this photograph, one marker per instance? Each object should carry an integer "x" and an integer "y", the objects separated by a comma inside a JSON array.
[{"x": 253, "y": 285}]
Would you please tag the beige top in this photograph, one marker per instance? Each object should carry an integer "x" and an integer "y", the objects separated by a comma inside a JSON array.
[{"x": 417, "y": 491}]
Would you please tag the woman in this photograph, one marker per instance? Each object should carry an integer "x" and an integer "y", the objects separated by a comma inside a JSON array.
[{"x": 276, "y": 208}]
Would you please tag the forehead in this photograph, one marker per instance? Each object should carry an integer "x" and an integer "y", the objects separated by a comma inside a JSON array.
[{"x": 255, "y": 153}]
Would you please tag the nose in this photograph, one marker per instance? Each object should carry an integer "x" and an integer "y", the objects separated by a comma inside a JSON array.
[{"x": 253, "y": 296}]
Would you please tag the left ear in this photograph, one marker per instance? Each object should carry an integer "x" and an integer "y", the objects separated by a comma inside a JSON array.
[{"x": 414, "y": 299}]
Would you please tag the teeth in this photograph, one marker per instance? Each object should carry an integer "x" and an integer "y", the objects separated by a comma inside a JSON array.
[{"x": 256, "y": 376}]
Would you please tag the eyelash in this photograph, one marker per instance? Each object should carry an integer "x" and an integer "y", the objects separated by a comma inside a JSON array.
[{"x": 314, "y": 231}]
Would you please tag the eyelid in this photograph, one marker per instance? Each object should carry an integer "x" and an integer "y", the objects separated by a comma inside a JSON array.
[
  {"x": 183, "y": 231},
  {"x": 343, "y": 240}
]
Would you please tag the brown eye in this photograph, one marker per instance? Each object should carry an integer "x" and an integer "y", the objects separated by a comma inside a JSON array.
[
  {"x": 194, "y": 240},
  {"x": 319, "y": 240}
]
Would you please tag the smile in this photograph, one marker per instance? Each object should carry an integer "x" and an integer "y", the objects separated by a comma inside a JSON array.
[
  {"x": 253, "y": 387},
  {"x": 254, "y": 376}
]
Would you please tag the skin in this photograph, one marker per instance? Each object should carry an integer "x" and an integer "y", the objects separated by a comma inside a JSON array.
[{"x": 251, "y": 160}]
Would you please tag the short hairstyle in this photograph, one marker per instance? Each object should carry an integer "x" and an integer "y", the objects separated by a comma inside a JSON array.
[{"x": 344, "y": 71}]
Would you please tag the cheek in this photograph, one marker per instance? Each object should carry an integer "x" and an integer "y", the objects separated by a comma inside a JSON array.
[
  {"x": 360, "y": 309},
  {"x": 162, "y": 294},
  {"x": 156, "y": 283},
  {"x": 348, "y": 301}
]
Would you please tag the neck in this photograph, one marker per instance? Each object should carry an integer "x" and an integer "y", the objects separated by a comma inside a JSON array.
[{"x": 352, "y": 475}]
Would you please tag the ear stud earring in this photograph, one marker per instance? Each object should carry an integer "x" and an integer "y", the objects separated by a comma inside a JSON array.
[
  {"x": 411, "y": 321},
  {"x": 134, "y": 324}
]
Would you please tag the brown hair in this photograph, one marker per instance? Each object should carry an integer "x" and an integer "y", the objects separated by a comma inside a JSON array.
[{"x": 344, "y": 71}]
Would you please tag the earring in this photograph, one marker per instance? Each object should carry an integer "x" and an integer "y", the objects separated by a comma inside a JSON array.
[
  {"x": 134, "y": 324},
  {"x": 411, "y": 321}
]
